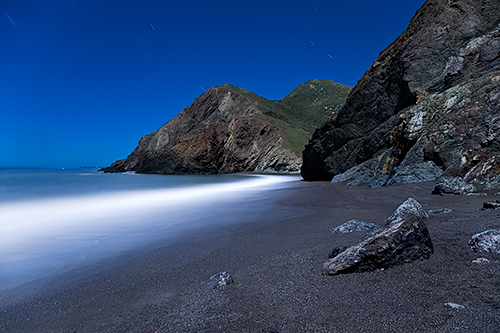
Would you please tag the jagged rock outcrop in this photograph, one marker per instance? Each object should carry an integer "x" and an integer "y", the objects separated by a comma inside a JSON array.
[
  {"x": 228, "y": 129},
  {"x": 428, "y": 106},
  {"x": 403, "y": 239}
]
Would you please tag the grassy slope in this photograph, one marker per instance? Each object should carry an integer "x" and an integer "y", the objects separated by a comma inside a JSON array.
[{"x": 300, "y": 112}]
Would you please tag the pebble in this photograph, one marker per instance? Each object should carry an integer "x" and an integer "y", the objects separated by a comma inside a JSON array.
[
  {"x": 480, "y": 261},
  {"x": 454, "y": 305},
  {"x": 220, "y": 280},
  {"x": 439, "y": 211}
]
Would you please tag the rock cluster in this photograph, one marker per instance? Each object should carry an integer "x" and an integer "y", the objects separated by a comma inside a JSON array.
[
  {"x": 427, "y": 107},
  {"x": 403, "y": 239}
]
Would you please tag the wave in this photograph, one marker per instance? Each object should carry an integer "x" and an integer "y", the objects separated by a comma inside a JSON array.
[{"x": 48, "y": 227}]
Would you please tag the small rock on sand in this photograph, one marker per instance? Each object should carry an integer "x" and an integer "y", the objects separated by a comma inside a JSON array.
[
  {"x": 486, "y": 241},
  {"x": 480, "y": 261},
  {"x": 439, "y": 211},
  {"x": 454, "y": 305},
  {"x": 493, "y": 204},
  {"x": 220, "y": 280}
]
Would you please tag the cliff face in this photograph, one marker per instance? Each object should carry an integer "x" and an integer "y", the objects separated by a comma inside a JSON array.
[
  {"x": 228, "y": 130},
  {"x": 429, "y": 104}
]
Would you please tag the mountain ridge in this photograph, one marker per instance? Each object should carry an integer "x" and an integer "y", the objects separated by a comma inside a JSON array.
[{"x": 228, "y": 129}]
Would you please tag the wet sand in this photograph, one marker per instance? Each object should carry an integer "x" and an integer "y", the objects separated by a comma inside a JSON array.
[{"x": 275, "y": 261}]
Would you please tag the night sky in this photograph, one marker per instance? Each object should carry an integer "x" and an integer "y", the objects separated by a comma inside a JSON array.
[{"x": 82, "y": 80}]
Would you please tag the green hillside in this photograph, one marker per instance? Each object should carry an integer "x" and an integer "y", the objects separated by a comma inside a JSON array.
[{"x": 297, "y": 115}]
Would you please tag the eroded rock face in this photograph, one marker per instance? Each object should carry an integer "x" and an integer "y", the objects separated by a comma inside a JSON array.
[
  {"x": 429, "y": 104},
  {"x": 404, "y": 238},
  {"x": 228, "y": 130}
]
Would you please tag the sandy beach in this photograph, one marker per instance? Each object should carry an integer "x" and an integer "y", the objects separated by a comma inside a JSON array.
[{"x": 275, "y": 261}]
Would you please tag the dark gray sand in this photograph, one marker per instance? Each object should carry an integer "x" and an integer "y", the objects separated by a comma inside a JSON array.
[{"x": 275, "y": 262}]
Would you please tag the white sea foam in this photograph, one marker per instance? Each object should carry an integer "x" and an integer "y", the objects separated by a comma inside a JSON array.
[{"x": 41, "y": 227}]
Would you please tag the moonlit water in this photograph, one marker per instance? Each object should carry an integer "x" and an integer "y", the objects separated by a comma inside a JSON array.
[{"x": 54, "y": 220}]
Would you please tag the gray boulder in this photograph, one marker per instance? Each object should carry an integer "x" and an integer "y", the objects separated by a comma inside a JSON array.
[
  {"x": 354, "y": 225},
  {"x": 486, "y": 241},
  {"x": 415, "y": 173},
  {"x": 369, "y": 173},
  {"x": 359, "y": 174},
  {"x": 453, "y": 185},
  {"x": 491, "y": 204},
  {"x": 403, "y": 239}
]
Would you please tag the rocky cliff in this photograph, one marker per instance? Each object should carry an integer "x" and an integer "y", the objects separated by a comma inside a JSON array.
[
  {"x": 429, "y": 104},
  {"x": 228, "y": 130}
]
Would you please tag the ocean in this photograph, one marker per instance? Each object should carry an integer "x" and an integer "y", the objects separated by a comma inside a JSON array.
[{"x": 52, "y": 221}]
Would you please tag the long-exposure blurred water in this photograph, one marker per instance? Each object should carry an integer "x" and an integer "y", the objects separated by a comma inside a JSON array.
[{"x": 54, "y": 220}]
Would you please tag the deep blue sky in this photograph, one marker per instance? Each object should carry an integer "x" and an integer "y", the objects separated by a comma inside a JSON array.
[{"x": 82, "y": 80}]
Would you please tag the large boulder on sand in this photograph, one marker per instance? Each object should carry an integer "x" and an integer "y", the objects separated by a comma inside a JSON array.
[{"x": 403, "y": 239}]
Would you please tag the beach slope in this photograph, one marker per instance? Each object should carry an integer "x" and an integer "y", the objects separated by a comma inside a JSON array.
[{"x": 275, "y": 265}]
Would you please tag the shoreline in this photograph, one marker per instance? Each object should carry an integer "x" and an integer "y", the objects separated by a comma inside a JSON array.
[
  {"x": 275, "y": 261},
  {"x": 94, "y": 218}
]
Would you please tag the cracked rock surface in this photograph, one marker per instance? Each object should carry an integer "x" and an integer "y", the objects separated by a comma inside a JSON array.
[{"x": 428, "y": 106}]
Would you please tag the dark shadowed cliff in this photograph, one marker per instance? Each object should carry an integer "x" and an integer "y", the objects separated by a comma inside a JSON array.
[
  {"x": 429, "y": 104},
  {"x": 228, "y": 129}
]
